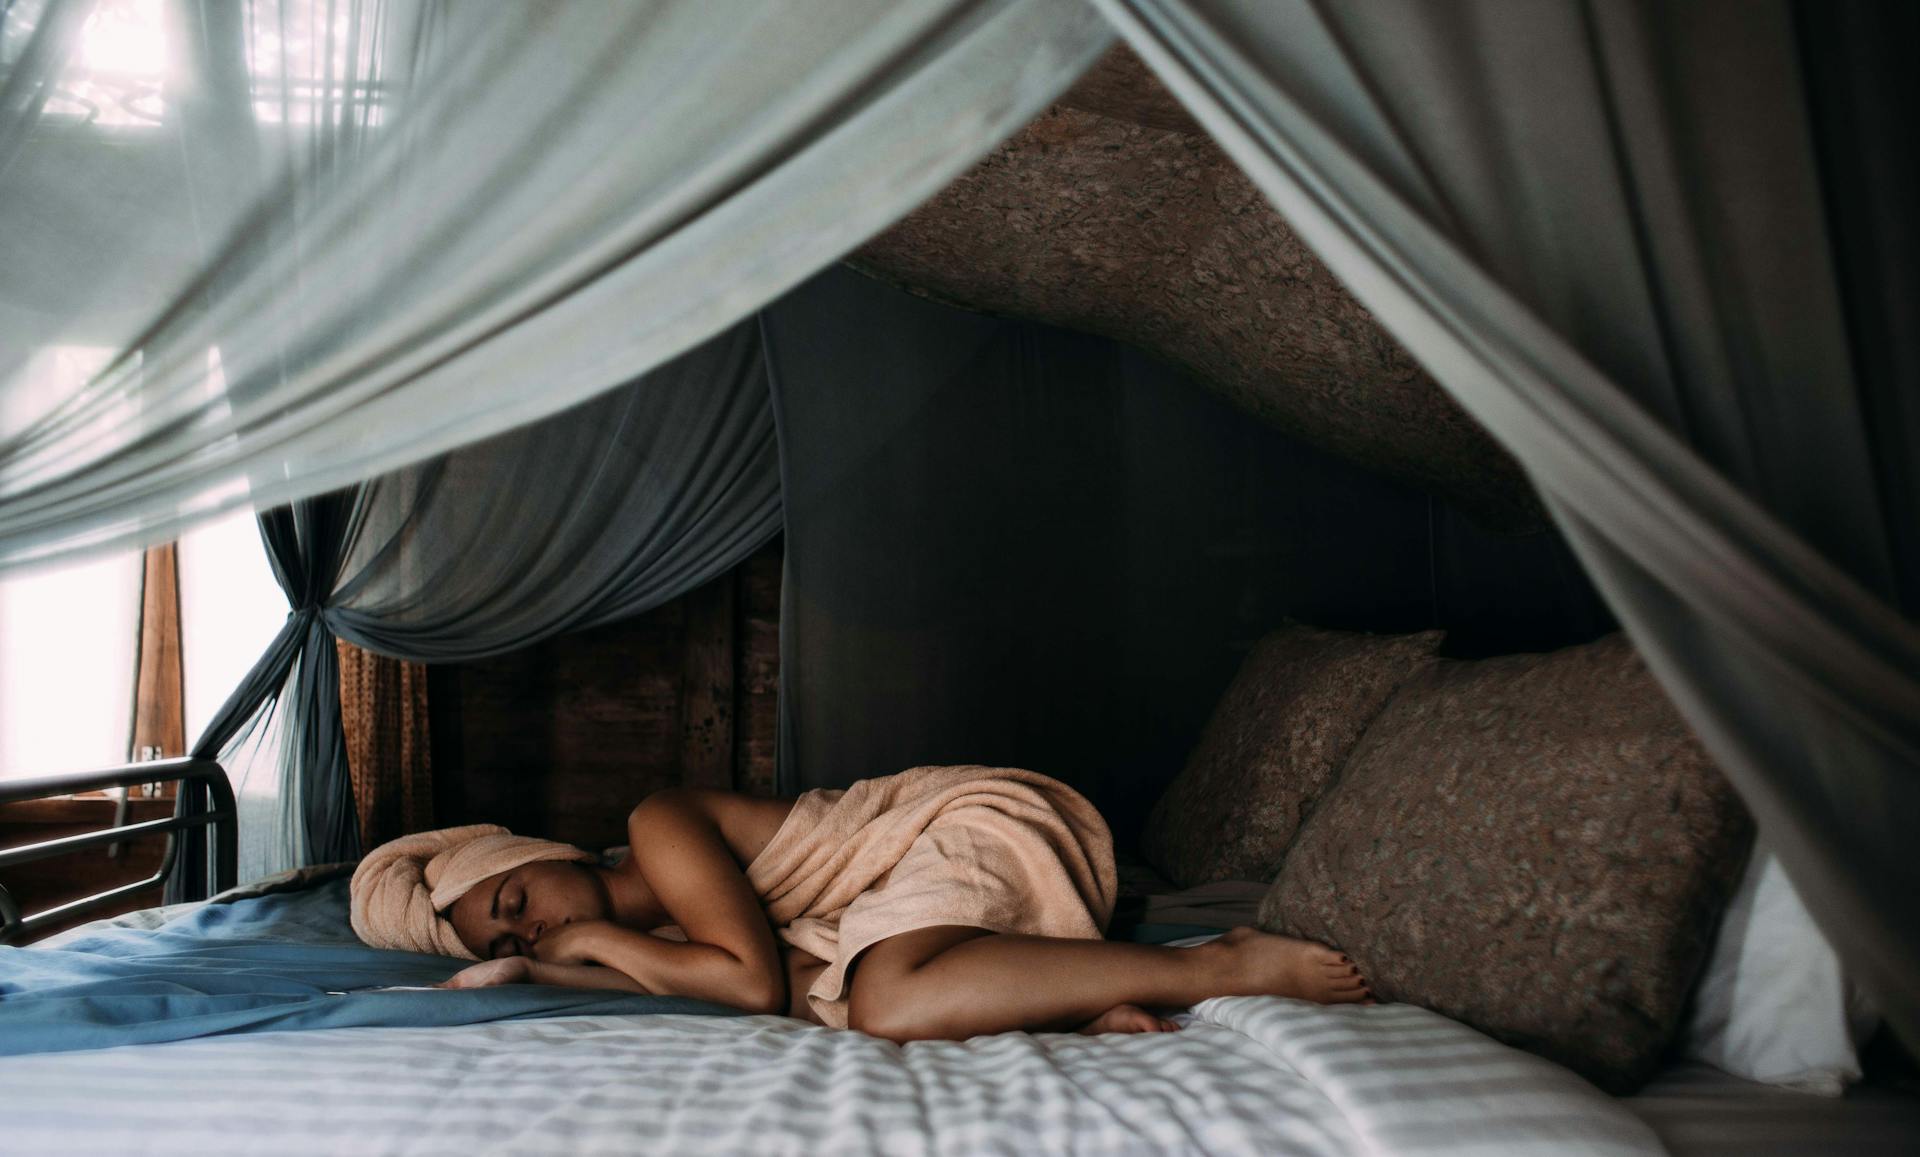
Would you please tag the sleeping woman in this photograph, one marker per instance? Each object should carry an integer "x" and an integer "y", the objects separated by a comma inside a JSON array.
[{"x": 939, "y": 903}]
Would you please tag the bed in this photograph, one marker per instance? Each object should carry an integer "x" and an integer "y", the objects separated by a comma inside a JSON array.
[
  {"x": 1245, "y": 1075},
  {"x": 592, "y": 1084},
  {"x": 531, "y": 1070}
]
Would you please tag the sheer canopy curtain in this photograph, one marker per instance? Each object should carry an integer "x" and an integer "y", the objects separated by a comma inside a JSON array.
[
  {"x": 1663, "y": 252},
  {"x": 323, "y": 240},
  {"x": 405, "y": 225},
  {"x": 1660, "y": 251}
]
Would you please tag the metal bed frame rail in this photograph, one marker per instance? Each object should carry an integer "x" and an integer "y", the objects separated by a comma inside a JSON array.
[{"x": 202, "y": 782}]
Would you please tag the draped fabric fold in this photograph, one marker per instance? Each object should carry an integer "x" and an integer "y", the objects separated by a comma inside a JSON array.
[
  {"x": 593, "y": 515},
  {"x": 1603, "y": 227},
  {"x": 299, "y": 675},
  {"x": 347, "y": 235}
]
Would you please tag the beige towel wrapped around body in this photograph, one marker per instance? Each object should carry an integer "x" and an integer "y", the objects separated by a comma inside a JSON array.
[{"x": 998, "y": 848}]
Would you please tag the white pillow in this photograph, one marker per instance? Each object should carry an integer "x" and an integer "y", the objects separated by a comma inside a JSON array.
[{"x": 1774, "y": 1004}]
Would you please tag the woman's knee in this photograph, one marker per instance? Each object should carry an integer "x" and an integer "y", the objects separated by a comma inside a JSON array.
[
  {"x": 893, "y": 1006},
  {"x": 869, "y": 1011},
  {"x": 903, "y": 1024},
  {"x": 889, "y": 993}
]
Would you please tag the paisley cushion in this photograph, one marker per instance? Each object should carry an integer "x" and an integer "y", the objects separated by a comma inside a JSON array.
[
  {"x": 1275, "y": 740},
  {"x": 1535, "y": 845}
]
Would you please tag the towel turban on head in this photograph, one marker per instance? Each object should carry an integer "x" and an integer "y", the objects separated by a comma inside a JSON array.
[{"x": 402, "y": 886}]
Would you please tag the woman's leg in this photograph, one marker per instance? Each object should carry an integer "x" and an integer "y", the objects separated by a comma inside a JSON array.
[{"x": 953, "y": 982}]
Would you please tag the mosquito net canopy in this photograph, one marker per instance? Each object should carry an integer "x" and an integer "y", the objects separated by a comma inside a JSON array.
[{"x": 1663, "y": 253}]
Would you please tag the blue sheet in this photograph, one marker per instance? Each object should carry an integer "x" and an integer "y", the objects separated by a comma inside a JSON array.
[{"x": 269, "y": 964}]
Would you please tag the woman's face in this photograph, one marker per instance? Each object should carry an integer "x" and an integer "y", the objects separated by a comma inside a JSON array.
[{"x": 506, "y": 914}]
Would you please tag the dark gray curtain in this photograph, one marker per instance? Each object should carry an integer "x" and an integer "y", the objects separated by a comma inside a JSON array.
[
  {"x": 1011, "y": 544},
  {"x": 1665, "y": 253},
  {"x": 600, "y": 513}
]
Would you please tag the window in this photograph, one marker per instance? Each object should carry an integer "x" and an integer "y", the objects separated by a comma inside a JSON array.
[
  {"x": 115, "y": 74},
  {"x": 115, "y": 653},
  {"x": 71, "y": 650},
  {"x": 68, "y": 642},
  {"x": 230, "y": 609},
  {"x": 69, "y": 636},
  {"x": 315, "y": 64},
  {"x": 309, "y": 63}
]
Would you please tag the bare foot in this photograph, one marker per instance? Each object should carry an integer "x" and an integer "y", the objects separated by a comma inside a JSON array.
[
  {"x": 1259, "y": 962},
  {"x": 1127, "y": 1018}
]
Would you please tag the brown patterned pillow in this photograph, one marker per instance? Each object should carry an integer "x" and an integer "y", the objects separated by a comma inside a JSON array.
[
  {"x": 1535, "y": 845},
  {"x": 1277, "y": 737}
]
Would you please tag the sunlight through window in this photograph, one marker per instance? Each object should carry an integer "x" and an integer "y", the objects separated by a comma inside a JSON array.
[{"x": 119, "y": 66}]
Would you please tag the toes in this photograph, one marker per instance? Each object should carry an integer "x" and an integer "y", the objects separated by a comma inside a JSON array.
[
  {"x": 1349, "y": 988},
  {"x": 1346, "y": 976}
]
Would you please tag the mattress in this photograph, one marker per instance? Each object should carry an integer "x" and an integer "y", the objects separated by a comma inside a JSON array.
[{"x": 1246, "y": 1075}]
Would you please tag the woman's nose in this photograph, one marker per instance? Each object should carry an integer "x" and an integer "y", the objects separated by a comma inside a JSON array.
[{"x": 533, "y": 934}]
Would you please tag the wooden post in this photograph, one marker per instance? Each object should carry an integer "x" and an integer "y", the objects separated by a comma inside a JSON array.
[{"x": 159, "y": 704}]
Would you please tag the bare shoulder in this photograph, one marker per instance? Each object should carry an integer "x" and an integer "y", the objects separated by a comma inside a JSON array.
[{"x": 744, "y": 823}]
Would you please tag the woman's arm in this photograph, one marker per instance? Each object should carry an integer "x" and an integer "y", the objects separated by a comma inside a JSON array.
[
  {"x": 730, "y": 955},
  {"x": 522, "y": 970},
  {"x": 582, "y": 976},
  {"x": 800, "y": 967},
  {"x": 651, "y": 964}
]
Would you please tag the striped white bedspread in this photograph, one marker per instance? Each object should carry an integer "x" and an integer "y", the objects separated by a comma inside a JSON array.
[{"x": 1248, "y": 1075}]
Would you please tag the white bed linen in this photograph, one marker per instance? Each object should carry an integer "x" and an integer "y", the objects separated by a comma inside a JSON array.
[
  {"x": 1774, "y": 1003},
  {"x": 1248, "y": 1075}
]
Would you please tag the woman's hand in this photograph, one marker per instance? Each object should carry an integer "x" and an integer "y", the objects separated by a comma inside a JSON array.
[{"x": 487, "y": 973}]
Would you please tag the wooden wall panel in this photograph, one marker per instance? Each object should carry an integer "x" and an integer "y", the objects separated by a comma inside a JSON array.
[
  {"x": 707, "y": 686},
  {"x": 564, "y": 738},
  {"x": 757, "y": 685}
]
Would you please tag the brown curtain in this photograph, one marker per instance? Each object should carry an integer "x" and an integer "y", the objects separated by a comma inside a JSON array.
[{"x": 383, "y": 708}]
